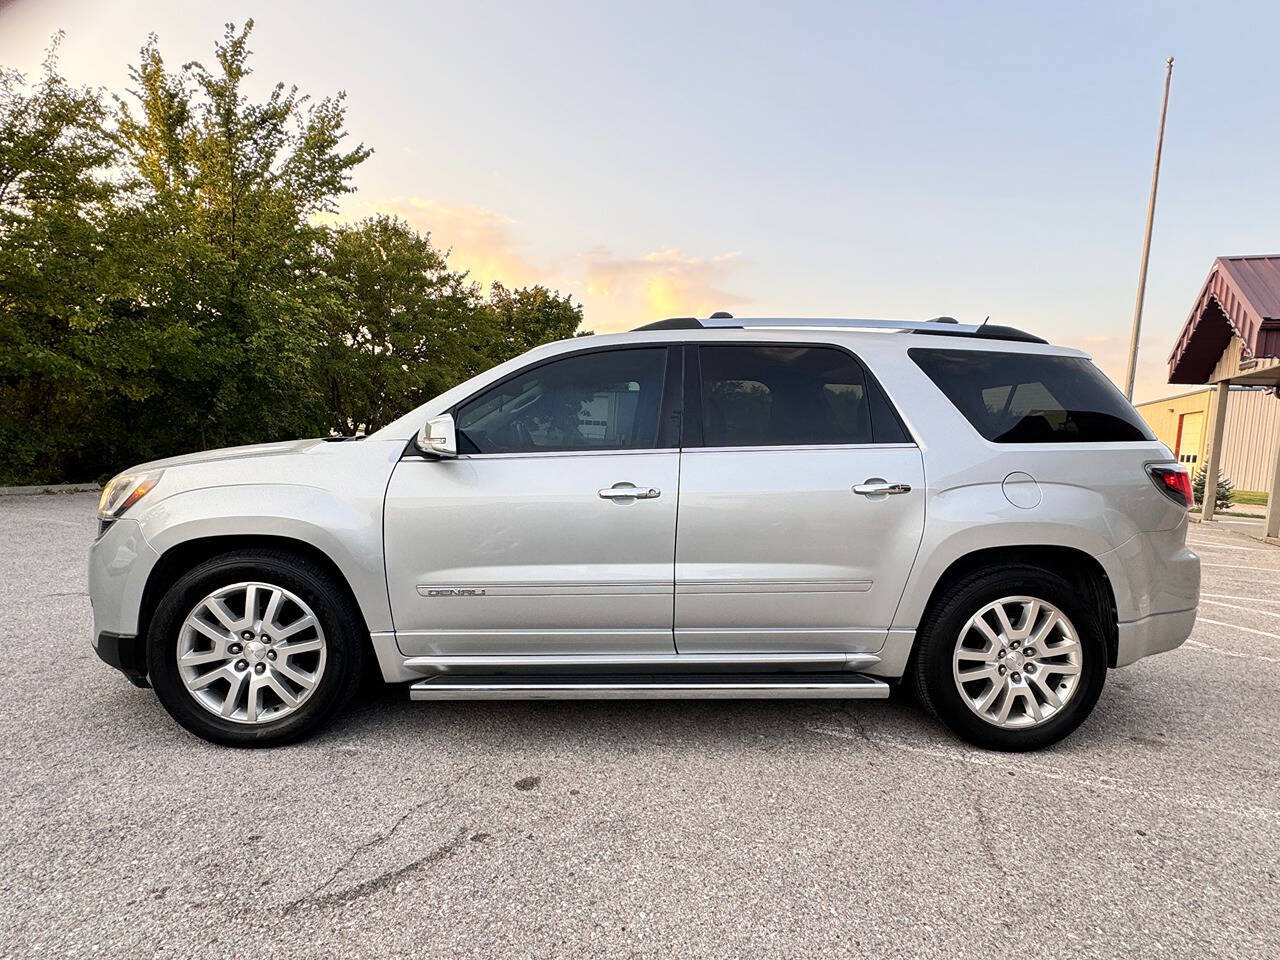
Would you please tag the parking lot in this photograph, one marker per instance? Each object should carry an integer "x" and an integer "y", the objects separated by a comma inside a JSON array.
[{"x": 729, "y": 829}]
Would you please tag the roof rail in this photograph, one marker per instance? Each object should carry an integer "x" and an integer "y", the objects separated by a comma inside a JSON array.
[{"x": 942, "y": 326}]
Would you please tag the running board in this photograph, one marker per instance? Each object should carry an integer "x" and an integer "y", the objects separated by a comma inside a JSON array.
[{"x": 811, "y": 686}]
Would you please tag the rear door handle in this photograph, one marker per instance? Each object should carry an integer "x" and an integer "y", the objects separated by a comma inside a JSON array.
[
  {"x": 629, "y": 491},
  {"x": 876, "y": 487}
]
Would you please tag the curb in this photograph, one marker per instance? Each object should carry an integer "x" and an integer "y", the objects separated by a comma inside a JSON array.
[
  {"x": 1269, "y": 541},
  {"x": 49, "y": 488}
]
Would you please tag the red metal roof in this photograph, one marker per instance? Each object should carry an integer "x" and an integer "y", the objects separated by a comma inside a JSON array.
[{"x": 1240, "y": 297}]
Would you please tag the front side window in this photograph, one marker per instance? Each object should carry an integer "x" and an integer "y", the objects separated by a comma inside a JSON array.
[
  {"x": 1029, "y": 398},
  {"x": 782, "y": 396},
  {"x": 604, "y": 400}
]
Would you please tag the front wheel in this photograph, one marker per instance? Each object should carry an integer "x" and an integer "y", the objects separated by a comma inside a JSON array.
[
  {"x": 255, "y": 648},
  {"x": 1011, "y": 658}
]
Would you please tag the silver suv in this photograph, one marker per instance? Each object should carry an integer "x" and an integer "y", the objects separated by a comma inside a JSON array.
[{"x": 699, "y": 508}]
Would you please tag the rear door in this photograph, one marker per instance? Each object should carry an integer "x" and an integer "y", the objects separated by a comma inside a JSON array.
[
  {"x": 801, "y": 502},
  {"x": 553, "y": 531}
]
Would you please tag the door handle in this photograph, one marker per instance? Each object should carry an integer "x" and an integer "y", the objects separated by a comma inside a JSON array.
[
  {"x": 629, "y": 491},
  {"x": 875, "y": 487}
]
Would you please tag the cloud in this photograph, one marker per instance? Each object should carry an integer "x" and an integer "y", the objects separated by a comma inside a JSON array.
[
  {"x": 626, "y": 292},
  {"x": 479, "y": 240},
  {"x": 617, "y": 292}
]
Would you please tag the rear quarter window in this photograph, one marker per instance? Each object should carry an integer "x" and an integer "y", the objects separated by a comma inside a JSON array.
[{"x": 1027, "y": 398}]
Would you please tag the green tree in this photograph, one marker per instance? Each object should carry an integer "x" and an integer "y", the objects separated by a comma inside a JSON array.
[
  {"x": 58, "y": 269},
  {"x": 395, "y": 329},
  {"x": 520, "y": 320},
  {"x": 222, "y": 191},
  {"x": 1226, "y": 491},
  {"x": 402, "y": 327},
  {"x": 165, "y": 285}
]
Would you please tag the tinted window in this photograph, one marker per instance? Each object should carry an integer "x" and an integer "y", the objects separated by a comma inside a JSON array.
[
  {"x": 775, "y": 396},
  {"x": 1024, "y": 398},
  {"x": 607, "y": 400},
  {"x": 885, "y": 423}
]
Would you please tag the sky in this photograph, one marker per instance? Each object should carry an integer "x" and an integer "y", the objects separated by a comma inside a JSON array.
[{"x": 900, "y": 160}]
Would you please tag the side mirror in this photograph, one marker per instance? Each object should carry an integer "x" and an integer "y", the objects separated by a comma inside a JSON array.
[{"x": 438, "y": 437}]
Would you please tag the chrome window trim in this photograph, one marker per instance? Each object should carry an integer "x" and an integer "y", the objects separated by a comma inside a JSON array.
[
  {"x": 795, "y": 448},
  {"x": 801, "y": 447},
  {"x": 565, "y": 453}
]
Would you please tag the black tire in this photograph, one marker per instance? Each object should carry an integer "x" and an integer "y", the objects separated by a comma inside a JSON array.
[
  {"x": 345, "y": 645},
  {"x": 935, "y": 684}
]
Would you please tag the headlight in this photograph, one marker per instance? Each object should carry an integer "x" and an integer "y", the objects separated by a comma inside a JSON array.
[{"x": 124, "y": 491}]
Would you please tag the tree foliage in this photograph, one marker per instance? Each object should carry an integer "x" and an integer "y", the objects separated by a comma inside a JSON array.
[
  {"x": 58, "y": 267},
  {"x": 402, "y": 326},
  {"x": 165, "y": 285},
  {"x": 1226, "y": 491},
  {"x": 393, "y": 332}
]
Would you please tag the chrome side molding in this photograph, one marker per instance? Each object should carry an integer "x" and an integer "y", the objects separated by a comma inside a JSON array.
[{"x": 656, "y": 662}]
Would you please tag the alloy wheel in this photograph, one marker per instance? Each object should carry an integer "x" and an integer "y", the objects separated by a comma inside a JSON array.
[
  {"x": 1017, "y": 662},
  {"x": 251, "y": 652}
]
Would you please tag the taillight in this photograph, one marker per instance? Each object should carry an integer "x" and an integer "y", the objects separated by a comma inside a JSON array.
[{"x": 1175, "y": 482}]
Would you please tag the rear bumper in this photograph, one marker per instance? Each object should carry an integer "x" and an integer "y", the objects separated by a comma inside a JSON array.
[
  {"x": 1153, "y": 573},
  {"x": 125, "y": 653},
  {"x": 1154, "y": 634}
]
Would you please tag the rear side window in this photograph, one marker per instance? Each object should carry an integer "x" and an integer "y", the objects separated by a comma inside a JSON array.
[
  {"x": 1025, "y": 398},
  {"x": 757, "y": 396}
]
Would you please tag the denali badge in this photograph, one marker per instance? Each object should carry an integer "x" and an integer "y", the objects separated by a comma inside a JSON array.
[{"x": 426, "y": 591}]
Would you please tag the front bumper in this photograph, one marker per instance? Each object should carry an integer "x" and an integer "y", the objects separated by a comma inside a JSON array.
[
  {"x": 119, "y": 564},
  {"x": 1154, "y": 634},
  {"x": 126, "y": 653}
]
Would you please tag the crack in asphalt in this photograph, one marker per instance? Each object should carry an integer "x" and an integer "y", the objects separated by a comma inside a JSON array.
[
  {"x": 860, "y": 726},
  {"x": 366, "y": 888},
  {"x": 984, "y": 827},
  {"x": 313, "y": 898}
]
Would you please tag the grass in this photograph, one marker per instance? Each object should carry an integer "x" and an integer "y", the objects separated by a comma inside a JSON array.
[{"x": 1256, "y": 498}]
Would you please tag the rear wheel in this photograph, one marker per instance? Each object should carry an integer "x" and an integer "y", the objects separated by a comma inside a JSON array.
[
  {"x": 1011, "y": 658},
  {"x": 255, "y": 649}
]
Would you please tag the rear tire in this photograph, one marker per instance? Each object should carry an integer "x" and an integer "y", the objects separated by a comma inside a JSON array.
[
  {"x": 256, "y": 678},
  {"x": 1049, "y": 691}
]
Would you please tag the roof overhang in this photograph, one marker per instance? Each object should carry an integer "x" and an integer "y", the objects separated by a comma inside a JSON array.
[{"x": 1240, "y": 298}]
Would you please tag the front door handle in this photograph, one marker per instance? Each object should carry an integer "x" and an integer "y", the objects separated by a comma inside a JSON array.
[
  {"x": 875, "y": 487},
  {"x": 629, "y": 491}
]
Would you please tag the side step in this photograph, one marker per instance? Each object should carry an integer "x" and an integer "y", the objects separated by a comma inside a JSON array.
[{"x": 813, "y": 686}]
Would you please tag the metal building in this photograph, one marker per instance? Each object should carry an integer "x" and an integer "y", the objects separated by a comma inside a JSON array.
[
  {"x": 1251, "y": 438},
  {"x": 1232, "y": 336}
]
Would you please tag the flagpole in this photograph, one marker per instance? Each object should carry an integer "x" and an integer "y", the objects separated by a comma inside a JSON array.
[{"x": 1146, "y": 240}]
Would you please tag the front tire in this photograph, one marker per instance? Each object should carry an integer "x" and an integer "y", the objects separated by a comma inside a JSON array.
[
  {"x": 255, "y": 649},
  {"x": 1011, "y": 658}
]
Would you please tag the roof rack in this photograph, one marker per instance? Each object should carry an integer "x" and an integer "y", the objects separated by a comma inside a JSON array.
[{"x": 942, "y": 326}]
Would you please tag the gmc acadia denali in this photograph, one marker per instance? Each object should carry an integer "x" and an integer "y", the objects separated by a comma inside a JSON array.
[{"x": 699, "y": 508}]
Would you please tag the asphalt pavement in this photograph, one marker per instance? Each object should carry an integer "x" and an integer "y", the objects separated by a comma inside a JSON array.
[{"x": 716, "y": 829}]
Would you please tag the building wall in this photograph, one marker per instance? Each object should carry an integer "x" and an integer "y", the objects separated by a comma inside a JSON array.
[
  {"x": 1252, "y": 432},
  {"x": 1182, "y": 423},
  {"x": 1235, "y": 365},
  {"x": 1253, "y": 422}
]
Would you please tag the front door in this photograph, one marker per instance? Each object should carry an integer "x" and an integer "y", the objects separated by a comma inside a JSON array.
[
  {"x": 801, "y": 503},
  {"x": 553, "y": 531}
]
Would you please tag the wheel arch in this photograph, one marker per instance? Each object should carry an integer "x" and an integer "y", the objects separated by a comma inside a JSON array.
[
  {"x": 183, "y": 556},
  {"x": 1076, "y": 566}
]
